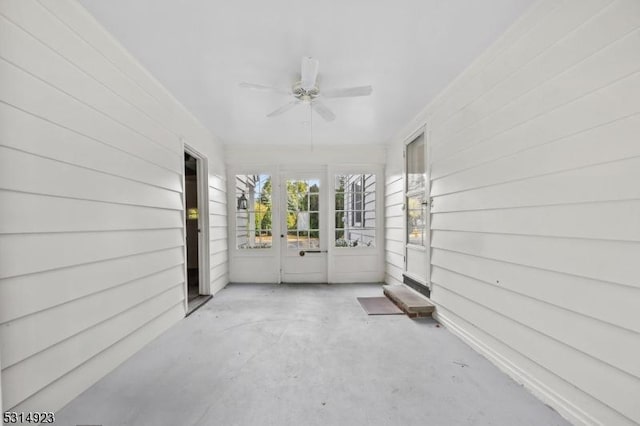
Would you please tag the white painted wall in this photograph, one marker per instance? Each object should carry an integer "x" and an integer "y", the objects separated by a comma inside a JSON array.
[
  {"x": 536, "y": 206},
  {"x": 394, "y": 222},
  {"x": 91, "y": 229},
  {"x": 264, "y": 265},
  {"x": 218, "y": 237}
]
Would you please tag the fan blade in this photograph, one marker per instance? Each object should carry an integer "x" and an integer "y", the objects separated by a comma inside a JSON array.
[
  {"x": 348, "y": 92},
  {"x": 323, "y": 111},
  {"x": 283, "y": 108},
  {"x": 309, "y": 72},
  {"x": 263, "y": 87}
]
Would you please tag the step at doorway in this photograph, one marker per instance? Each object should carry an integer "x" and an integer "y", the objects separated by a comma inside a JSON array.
[{"x": 410, "y": 301}]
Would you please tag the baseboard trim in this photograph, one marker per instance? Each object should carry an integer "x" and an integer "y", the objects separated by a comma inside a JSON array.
[{"x": 565, "y": 408}]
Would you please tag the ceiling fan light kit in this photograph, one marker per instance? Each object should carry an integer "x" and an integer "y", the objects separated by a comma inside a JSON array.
[{"x": 307, "y": 91}]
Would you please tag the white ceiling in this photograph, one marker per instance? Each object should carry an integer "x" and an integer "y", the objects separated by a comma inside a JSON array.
[{"x": 408, "y": 50}]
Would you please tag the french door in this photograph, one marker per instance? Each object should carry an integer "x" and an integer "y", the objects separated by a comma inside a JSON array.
[
  {"x": 303, "y": 241},
  {"x": 320, "y": 225}
]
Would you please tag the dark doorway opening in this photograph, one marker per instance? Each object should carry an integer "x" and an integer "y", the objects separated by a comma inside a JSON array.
[{"x": 195, "y": 298}]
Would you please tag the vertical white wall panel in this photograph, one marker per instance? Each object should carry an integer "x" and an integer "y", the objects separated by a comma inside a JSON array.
[
  {"x": 91, "y": 203},
  {"x": 535, "y": 216}
]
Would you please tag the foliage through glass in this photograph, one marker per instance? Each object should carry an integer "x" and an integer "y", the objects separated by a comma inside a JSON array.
[
  {"x": 254, "y": 228},
  {"x": 303, "y": 213}
]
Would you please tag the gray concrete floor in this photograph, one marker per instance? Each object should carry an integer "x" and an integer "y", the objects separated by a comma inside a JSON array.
[{"x": 305, "y": 355}]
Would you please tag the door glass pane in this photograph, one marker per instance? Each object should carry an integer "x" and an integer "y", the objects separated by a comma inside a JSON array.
[
  {"x": 314, "y": 202},
  {"x": 355, "y": 203},
  {"x": 416, "y": 171},
  {"x": 303, "y": 213},
  {"x": 314, "y": 221},
  {"x": 416, "y": 211},
  {"x": 292, "y": 239},
  {"x": 416, "y": 219},
  {"x": 253, "y": 211}
]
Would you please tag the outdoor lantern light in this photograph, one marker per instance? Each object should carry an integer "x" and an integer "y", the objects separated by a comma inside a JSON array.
[{"x": 242, "y": 202}]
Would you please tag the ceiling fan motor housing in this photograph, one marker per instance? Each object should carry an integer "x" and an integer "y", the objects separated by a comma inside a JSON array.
[{"x": 305, "y": 94}]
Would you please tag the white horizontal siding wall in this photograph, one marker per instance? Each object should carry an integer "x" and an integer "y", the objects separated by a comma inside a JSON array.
[
  {"x": 536, "y": 206},
  {"x": 218, "y": 246},
  {"x": 91, "y": 206},
  {"x": 394, "y": 215}
]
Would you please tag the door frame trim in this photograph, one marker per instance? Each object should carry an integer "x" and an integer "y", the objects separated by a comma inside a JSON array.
[
  {"x": 202, "y": 182},
  {"x": 424, "y": 130},
  {"x": 321, "y": 172}
]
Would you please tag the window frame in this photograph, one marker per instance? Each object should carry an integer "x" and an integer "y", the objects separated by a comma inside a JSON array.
[
  {"x": 349, "y": 211},
  {"x": 234, "y": 233}
]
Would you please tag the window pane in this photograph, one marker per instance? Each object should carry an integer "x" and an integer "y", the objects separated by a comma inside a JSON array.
[
  {"x": 416, "y": 219},
  {"x": 253, "y": 211},
  {"x": 292, "y": 220},
  {"x": 303, "y": 241},
  {"x": 416, "y": 172},
  {"x": 254, "y": 241},
  {"x": 314, "y": 240},
  {"x": 303, "y": 221},
  {"x": 361, "y": 237},
  {"x": 266, "y": 239},
  {"x": 355, "y": 203},
  {"x": 314, "y": 202},
  {"x": 292, "y": 239},
  {"x": 314, "y": 221}
]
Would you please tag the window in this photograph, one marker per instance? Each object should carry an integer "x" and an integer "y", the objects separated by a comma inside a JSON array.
[
  {"x": 355, "y": 210},
  {"x": 253, "y": 212},
  {"x": 303, "y": 213},
  {"x": 416, "y": 206}
]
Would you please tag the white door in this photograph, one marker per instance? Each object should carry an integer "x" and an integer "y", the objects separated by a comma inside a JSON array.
[
  {"x": 303, "y": 236},
  {"x": 417, "y": 237}
]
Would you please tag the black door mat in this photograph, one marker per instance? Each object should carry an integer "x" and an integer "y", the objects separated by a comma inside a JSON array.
[{"x": 379, "y": 306}]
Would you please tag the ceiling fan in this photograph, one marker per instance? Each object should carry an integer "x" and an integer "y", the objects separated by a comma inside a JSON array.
[{"x": 307, "y": 91}]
